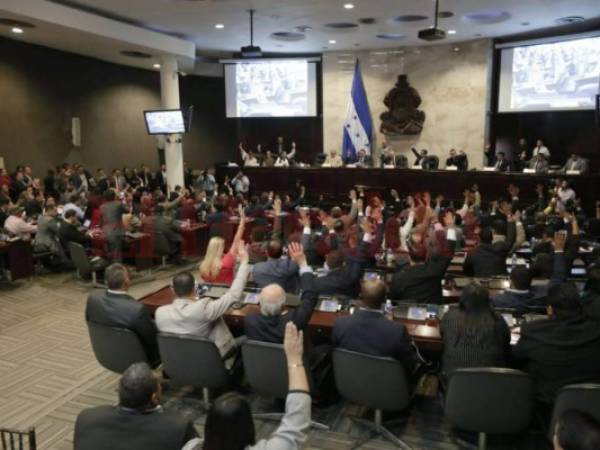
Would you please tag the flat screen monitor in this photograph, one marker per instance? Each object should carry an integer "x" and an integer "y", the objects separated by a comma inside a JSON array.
[
  {"x": 165, "y": 121},
  {"x": 550, "y": 76},
  {"x": 271, "y": 88}
]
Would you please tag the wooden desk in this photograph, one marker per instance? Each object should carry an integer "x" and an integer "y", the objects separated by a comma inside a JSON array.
[
  {"x": 425, "y": 334},
  {"x": 18, "y": 257}
]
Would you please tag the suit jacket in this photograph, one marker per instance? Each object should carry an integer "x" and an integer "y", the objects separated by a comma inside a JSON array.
[
  {"x": 560, "y": 351},
  {"x": 579, "y": 164},
  {"x": 70, "y": 233},
  {"x": 112, "y": 215},
  {"x": 521, "y": 302},
  {"x": 46, "y": 237},
  {"x": 488, "y": 260},
  {"x": 167, "y": 234},
  {"x": 503, "y": 166},
  {"x": 540, "y": 167},
  {"x": 116, "y": 428},
  {"x": 272, "y": 328},
  {"x": 283, "y": 272},
  {"x": 368, "y": 331},
  {"x": 120, "y": 310},
  {"x": 421, "y": 282}
]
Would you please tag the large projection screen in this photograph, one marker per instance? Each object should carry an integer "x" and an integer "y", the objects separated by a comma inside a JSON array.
[
  {"x": 551, "y": 76},
  {"x": 271, "y": 88}
]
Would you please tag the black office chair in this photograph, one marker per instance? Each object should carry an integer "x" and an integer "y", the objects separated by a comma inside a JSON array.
[
  {"x": 319, "y": 159},
  {"x": 116, "y": 348},
  {"x": 375, "y": 382},
  {"x": 161, "y": 248},
  {"x": 489, "y": 400},
  {"x": 433, "y": 162},
  {"x": 193, "y": 361},
  {"x": 401, "y": 162},
  {"x": 83, "y": 265},
  {"x": 581, "y": 397},
  {"x": 18, "y": 440},
  {"x": 265, "y": 365}
]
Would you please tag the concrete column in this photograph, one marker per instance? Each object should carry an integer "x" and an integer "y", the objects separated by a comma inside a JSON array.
[{"x": 169, "y": 89}]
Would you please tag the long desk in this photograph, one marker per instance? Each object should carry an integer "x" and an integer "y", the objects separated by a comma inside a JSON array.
[
  {"x": 17, "y": 259},
  {"x": 425, "y": 334},
  {"x": 335, "y": 183}
]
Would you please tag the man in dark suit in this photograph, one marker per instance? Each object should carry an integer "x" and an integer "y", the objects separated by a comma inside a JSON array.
[
  {"x": 68, "y": 231},
  {"x": 276, "y": 270},
  {"x": 369, "y": 331},
  {"x": 563, "y": 349},
  {"x": 137, "y": 422},
  {"x": 489, "y": 258},
  {"x": 269, "y": 325},
  {"x": 460, "y": 160},
  {"x": 501, "y": 164},
  {"x": 167, "y": 234},
  {"x": 422, "y": 279},
  {"x": 420, "y": 157},
  {"x": 521, "y": 296},
  {"x": 160, "y": 178},
  {"x": 116, "y": 308}
]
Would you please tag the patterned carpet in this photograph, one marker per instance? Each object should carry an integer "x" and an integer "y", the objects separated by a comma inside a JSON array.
[{"x": 48, "y": 374}]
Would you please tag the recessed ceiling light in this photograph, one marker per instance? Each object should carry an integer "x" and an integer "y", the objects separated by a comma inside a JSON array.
[
  {"x": 332, "y": 41},
  {"x": 451, "y": 31},
  {"x": 156, "y": 66},
  {"x": 219, "y": 26},
  {"x": 17, "y": 30},
  {"x": 348, "y": 6},
  {"x": 456, "y": 49}
]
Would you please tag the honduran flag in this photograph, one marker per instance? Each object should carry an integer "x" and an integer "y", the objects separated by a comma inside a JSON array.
[{"x": 358, "y": 127}]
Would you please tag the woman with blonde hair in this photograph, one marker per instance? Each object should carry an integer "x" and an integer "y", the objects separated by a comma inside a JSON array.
[{"x": 218, "y": 267}]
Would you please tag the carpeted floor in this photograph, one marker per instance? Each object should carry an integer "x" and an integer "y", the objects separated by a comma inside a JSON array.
[{"x": 48, "y": 374}]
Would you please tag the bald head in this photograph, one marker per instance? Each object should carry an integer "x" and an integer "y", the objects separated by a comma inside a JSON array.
[
  {"x": 373, "y": 293},
  {"x": 272, "y": 299}
]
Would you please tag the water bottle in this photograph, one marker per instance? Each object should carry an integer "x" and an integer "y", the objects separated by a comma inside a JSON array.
[
  {"x": 514, "y": 260},
  {"x": 388, "y": 309}
]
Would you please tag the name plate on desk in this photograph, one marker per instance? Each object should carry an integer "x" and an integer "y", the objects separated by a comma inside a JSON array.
[
  {"x": 489, "y": 169},
  {"x": 388, "y": 166},
  {"x": 326, "y": 165},
  {"x": 351, "y": 166},
  {"x": 528, "y": 170},
  {"x": 573, "y": 172},
  {"x": 452, "y": 168},
  {"x": 416, "y": 168}
]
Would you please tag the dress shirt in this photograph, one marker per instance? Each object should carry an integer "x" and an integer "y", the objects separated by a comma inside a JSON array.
[{"x": 19, "y": 227}]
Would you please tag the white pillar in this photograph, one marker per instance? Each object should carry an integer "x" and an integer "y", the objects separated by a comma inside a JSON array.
[{"x": 169, "y": 89}]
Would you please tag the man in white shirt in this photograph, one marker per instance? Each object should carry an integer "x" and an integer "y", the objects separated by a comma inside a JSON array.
[
  {"x": 333, "y": 160},
  {"x": 203, "y": 317},
  {"x": 74, "y": 205},
  {"x": 248, "y": 158},
  {"x": 541, "y": 148},
  {"x": 16, "y": 225},
  {"x": 241, "y": 184}
]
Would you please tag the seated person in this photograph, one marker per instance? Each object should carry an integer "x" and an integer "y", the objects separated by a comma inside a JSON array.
[
  {"x": 333, "y": 160},
  {"x": 420, "y": 157},
  {"x": 17, "y": 225},
  {"x": 576, "y": 430},
  {"x": 473, "y": 334},
  {"x": 229, "y": 422},
  {"x": 362, "y": 159},
  {"x": 269, "y": 325},
  {"x": 591, "y": 294},
  {"x": 268, "y": 160},
  {"x": 563, "y": 349},
  {"x": 539, "y": 164},
  {"x": 248, "y": 157},
  {"x": 203, "y": 317},
  {"x": 69, "y": 230},
  {"x": 521, "y": 296},
  {"x": 216, "y": 266},
  {"x": 137, "y": 422},
  {"x": 575, "y": 162},
  {"x": 73, "y": 204},
  {"x": 489, "y": 258},
  {"x": 276, "y": 270},
  {"x": 369, "y": 331},
  {"x": 115, "y": 308},
  {"x": 167, "y": 234},
  {"x": 460, "y": 160},
  {"x": 388, "y": 157},
  {"x": 421, "y": 280},
  {"x": 502, "y": 164},
  {"x": 46, "y": 238}
]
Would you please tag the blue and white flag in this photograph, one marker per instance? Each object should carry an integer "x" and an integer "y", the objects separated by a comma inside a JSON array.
[{"x": 358, "y": 127}]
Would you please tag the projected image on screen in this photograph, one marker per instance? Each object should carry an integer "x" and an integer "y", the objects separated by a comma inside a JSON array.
[
  {"x": 164, "y": 122},
  {"x": 270, "y": 89},
  {"x": 560, "y": 75}
]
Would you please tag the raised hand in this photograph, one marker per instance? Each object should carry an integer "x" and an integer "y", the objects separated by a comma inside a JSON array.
[
  {"x": 352, "y": 194},
  {"x": 243, "y": 252},
  {"x": 560, "y": 238},
  {"x": 367, "y": 226},
  {"x": 293, "y": 344},
  {"x": 304, "y": 219},
  {"x": 296, "y": 253}
]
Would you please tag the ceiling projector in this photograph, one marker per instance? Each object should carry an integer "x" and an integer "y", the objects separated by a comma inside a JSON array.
[
  {"x": 432, "y": 34},
  {"x": 251, "y": 51}
]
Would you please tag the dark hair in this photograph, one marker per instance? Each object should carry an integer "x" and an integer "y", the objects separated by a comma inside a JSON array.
[
  {"x": 136, "y": 387},
  {"x": 543, "y": 266},
  {"x": 274, "y": 248},
  {"x": 417, "y": 252},
  {"x": 564, "y": 299},
  {"x": 486, "y": 235},
  {"x": 520, "y": 277},
  {"x": 335, "y": 259},
  {"x": 593, "y": 280},
  {"x": 229, "y": 424},
  {"x": 115, "y": 276},
  {"x": 70, "y": 213},
  {"x": 548, "y": 231},
  {"x": 576, "y": 430},
  {"x": 499, "y": 226},
  {"x": 373, "y": 293},
  {"x": 338, "y": 226},
  {"x": 184, "y": 283},
  {"x": 476, "y": 312}
]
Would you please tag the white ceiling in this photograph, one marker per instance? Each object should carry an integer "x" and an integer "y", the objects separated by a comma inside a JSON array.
[{"x": 194, "y": 21}]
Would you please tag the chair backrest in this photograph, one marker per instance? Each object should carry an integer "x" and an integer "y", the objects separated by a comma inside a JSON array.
[
  {"x": 116, "y": 348},
  {"x": 371, "y": 381},
  {"x": 192, "y": 360},
  {"x": 489, "y": 400},
  {"x": 433, "y": 161},
  {"x": 161, "y": 244},
  {"x": 18, "y": 440},
  {"x": 401, "y": 162},
  {"x": 266, "y": 370},
  {"x": 583, "y": 397},
  {"x": 80, "y": 259}
]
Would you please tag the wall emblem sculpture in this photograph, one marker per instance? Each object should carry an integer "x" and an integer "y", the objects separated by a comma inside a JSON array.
[{"x": 403, "y": 116}]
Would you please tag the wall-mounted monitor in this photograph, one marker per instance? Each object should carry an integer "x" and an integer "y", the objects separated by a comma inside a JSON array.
[
  {"x": 271, "y": 87},
  {"x": 559, "y": 73},
  {"x": 165, "y": 121}
]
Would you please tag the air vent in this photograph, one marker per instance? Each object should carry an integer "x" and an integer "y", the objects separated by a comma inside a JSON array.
[
  {"x": 303, "y": 28},
  {"x": 391, "y": 36},
  {"x": 341, "y": 25},
  {"x": 569, "y": 20},
  {"x": 136, "y": 54},
  {"x": 367, "y": 21},
  {"x": 409, "y": 18},
  {"x": 486, "y": 17},
  {"x": 445, "y": 14},
  {"x": 15, "y": 23},
  {"x": 288, "y": 36}
]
